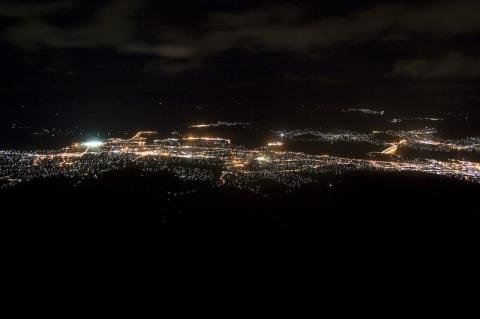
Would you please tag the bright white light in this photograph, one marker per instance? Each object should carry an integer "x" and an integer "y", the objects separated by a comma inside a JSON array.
[
  {"x": 92, "y": 144},
  {"x": 262, "y": 159}
]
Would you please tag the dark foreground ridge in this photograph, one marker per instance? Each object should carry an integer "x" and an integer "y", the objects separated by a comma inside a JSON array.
[{"x": 131, "y": 204}]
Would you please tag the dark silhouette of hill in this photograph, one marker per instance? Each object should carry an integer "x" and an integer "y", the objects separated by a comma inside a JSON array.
[{"x": 135, "y": 205}]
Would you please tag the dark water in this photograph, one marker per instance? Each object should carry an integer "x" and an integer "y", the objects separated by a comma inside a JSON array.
[{"x": 25, "y": 128}]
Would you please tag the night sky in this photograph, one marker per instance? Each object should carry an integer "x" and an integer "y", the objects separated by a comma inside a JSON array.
[{"x": 131, "y": 60}]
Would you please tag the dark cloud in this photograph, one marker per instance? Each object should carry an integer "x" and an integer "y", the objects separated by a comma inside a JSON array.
[
  {"x": 171, "y": 67},
  {"x": 172, "y": 51},
  {"x": 270, "y": 29},
  {"x": 454, "y": 65},
  {"x": 34, "y": 10},
  {"x": 111, "y": 26},
  {"x": 275, "y": 30}
]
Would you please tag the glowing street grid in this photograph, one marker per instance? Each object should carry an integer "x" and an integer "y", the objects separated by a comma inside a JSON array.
[{"x": 221, "y": 162}]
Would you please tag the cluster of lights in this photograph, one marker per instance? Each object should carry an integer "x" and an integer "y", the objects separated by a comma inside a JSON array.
[
  {"x": 404, "y": 119},
  {"x": 423, "y": 139},
  {"x": 275, "y": 144},
  {"x": 324, "y": 136},
  {"x": 92, "y": 144},
  {"x": 364, "y": 111},
  {"x": 220, "y": 124},
  {"x": 214, "y": 159},
  {"x": 207, "y": 139}
]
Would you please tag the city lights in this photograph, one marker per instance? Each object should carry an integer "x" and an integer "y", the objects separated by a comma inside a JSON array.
[
  {"x": 93, "y": 144},
  {"x": 221, "y": 162},
  {"x": 275, "y": 144}
]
